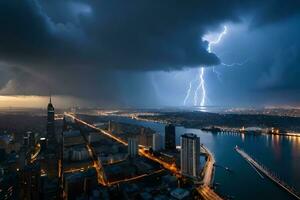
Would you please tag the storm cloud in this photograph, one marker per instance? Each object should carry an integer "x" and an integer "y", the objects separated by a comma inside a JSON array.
[{"x": 91, "y": 49}]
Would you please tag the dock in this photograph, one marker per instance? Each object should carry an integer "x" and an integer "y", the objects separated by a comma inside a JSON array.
[{"x": 268, "y": 173}]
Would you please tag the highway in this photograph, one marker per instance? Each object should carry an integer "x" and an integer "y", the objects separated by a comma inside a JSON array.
[
  {"x": 96, "y": 165},
  {"x": 170, "y": 167},
  {"x": 135, "y": 178},
  {"x": 208, "y": 171},
  {"x": 268, "y": 173},
  {"x": 207, "y": 193}
]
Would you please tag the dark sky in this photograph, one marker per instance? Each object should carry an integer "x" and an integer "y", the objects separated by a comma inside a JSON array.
[{"x": 148, "y": 52}]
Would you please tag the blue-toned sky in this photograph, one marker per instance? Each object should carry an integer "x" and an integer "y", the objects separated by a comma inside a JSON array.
[{"x": 150, "y": 53}]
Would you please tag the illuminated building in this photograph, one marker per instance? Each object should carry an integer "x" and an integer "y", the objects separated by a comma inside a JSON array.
[
  {"x": 72, "y": 137},
  {"x": 50, "y": 123},
  {"x": 78, "y": 153},
  {"x": 145, "y": 137},
  {"x": 170, "y": 143},
  {"x": 94, "y": 137},
  {"x": 132, "y": 147},
  {"x": 109, "y": 126},
  {"x": 156, "y": 142},
  {"x": 190, "y": 155}
]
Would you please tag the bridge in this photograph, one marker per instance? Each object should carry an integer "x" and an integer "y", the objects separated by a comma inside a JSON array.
[{"x": 268, "y": 173}]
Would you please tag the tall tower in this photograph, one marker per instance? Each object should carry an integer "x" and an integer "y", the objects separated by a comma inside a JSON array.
[
  {"x": 156, "y": 142},
  {"x": 170, "y": 142},
  {"x": 190, "y": 155},
  {"x": 133, "y": 147},
  {"x": 50, "y": 123}
]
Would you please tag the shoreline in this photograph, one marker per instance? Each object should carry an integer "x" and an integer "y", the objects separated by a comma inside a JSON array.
[{"x": 208, "y": 170}]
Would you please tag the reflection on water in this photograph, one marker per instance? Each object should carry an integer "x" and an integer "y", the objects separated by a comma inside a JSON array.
[{"x": 278, "y": 153}]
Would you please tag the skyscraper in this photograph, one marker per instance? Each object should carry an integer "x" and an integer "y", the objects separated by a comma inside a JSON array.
[
  {"x": 132, "y": 147},
  {"x": 156, "y": 142},
  {"x": 170, "y": 143},
  {"x": 50, "y": 123},
  {"x": 189, "y": 155},
  {"x": 31, "y": 183}
]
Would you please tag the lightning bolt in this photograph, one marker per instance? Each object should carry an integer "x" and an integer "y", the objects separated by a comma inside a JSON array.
[
  {"x": 201, "y": 85},
  {"x": 202, "y": 71},
  {"x": 219, "y": 38},
  {"x": 188, "y": 93},
  {"x": 196, "y": 92},
  {"x": 235, "y": 64},
  {"x": 217, "y": 73}
]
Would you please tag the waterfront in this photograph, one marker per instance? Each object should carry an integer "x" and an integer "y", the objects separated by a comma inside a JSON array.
[{"x": 280, "y": 154}]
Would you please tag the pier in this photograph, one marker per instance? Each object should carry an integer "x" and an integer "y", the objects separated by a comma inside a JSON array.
[{"x": 268, "y": 173}]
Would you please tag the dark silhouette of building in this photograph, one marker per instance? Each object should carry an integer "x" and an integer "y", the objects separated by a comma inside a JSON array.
[
  {"x": 32, "y": 139},
  {"x": 43, "y": 144},
  {"x": 76, "y": 184},
  {"x": 49, "y": 188},
  {"x": 50, "y": 123},
  {"x": 65, "y": 124},
  {"x": 52, "y": 154},
  {"x": 9, "y": 185},
  {"x": 170, "y": 143},
  {"x": 31, "y": 181}
]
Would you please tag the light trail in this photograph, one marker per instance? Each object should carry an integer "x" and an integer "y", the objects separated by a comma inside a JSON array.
[
  {"x": 34, "y": 155},
  {"x": 98, "y": 129},
  {"x": 135, "y": 178},
  {"x": 96, "y": 165}
]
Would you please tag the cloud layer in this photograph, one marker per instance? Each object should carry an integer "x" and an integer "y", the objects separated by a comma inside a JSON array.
[{"x": 91, "y": 49}]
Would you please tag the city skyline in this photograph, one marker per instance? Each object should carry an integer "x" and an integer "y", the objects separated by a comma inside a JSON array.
[{"x": 91, "y": 154}]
